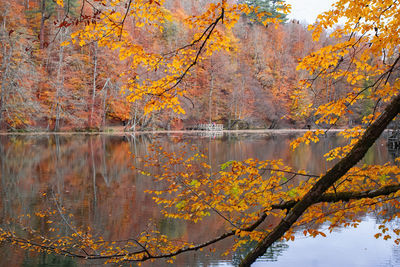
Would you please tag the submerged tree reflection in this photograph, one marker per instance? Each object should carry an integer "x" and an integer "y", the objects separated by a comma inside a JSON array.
[{"x": 81, "y": 185}]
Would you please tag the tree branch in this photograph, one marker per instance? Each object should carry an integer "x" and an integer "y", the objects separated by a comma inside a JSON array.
[
  {"x": 316, "y": 192},
  {"x": 330, "y": 197},
  {"x": 207, "y": 33},
  {"x": 345, "y": 196}
]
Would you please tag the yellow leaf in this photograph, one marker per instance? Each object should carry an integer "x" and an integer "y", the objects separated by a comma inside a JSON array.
[{"x": 60, "y": 2}]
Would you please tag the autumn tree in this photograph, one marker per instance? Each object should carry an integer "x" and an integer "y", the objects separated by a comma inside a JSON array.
[{"x": 17, "y": 102}]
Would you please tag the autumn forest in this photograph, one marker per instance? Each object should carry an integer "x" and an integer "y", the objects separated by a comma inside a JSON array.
[{"x": 47, "y": 85}]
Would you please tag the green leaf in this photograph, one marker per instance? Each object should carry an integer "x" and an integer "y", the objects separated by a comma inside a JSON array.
[
  {"x": 235, "y": 190},
  {"x": 194, "y": 182},
  {"x": 383, "y": 178},
  {"x": 292, "y": 193},
  {"x": 181, "y": 204},
  {"x": 226, "y": 164}
]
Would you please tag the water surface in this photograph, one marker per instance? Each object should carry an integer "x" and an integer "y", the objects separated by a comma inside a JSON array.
[{"x": 92, "y": 177}]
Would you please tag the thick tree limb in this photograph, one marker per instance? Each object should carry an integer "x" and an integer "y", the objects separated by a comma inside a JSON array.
[
  {"x": 345, "y": 196},
  {"x": 316, "y": 192}
]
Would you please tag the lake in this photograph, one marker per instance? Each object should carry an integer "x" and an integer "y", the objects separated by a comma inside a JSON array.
[{"x": 93, "y": 179}]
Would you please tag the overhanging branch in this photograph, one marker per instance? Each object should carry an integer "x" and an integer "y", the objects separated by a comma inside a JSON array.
[
  {"x": 315, "y": 194},
  {"x": 327, "y": 198},
  {"x": 345, "y": 196}
]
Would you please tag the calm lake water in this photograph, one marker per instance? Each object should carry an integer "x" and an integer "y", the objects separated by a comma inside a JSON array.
[{"x": 93, "y": 178}]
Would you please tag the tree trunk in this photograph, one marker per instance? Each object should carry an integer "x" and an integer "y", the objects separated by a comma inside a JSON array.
[
  {"x": 42, "y": 21},
  {"x": 356, "y": 154},
  {"x": 5, "y": 70},
  {"x": 211, "y": 93},
  {"x": 105, "y": 87},
  {"x": 133, "y": 128},
  {"x": 94, "y": 84},
  {"x": 242, "y": 100},
  {"x": 3, "y": 86},
  {"x": 60, "y": 84}
]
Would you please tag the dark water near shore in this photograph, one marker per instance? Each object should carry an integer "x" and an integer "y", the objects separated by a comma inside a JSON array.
[{"x": 93, "y": 178}]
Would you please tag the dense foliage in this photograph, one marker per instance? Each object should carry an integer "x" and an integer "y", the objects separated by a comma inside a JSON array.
[{"x": 247, "y": 82}]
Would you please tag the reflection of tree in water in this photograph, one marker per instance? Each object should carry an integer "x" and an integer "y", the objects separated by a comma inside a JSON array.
[
  {"x": 395, "y": 260},
  {"x": 272, "y": 253},
  {"x": 49, "y": 260},
  {"x": 394, "y": 152},
  {"x": 91, "y": 176},
  {"x": 390, "y": 211},
  {"x": 393, "y": 139},
  {"x": 172, "y": 228}
]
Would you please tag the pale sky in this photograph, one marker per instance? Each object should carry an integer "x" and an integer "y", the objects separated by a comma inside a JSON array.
[{"x": 308, "y": 10}]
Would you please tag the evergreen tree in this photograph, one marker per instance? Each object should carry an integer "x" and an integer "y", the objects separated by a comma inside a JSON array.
[{"x": 268, "y": 6}]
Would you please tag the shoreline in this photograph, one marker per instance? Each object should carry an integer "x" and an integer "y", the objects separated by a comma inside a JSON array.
[{"x": 121, "y": 133}]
